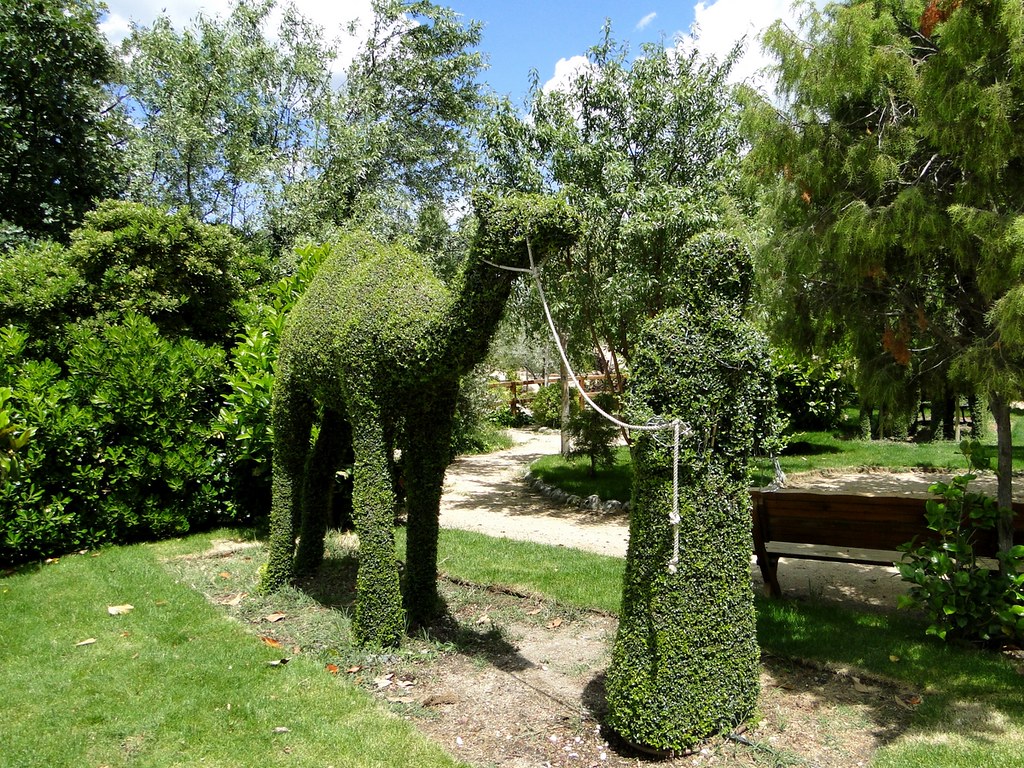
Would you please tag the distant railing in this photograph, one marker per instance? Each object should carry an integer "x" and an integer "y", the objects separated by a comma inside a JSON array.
[{"x": 521, "y": 395}]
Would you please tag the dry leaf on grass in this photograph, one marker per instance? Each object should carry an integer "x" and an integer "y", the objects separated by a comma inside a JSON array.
[
  {"x": 225, "y": 574},
  {"x": 120, "y": 610},
  {"x": 483, "y": 619},
  {"x": 401, "y": 699},
  {"x": 275, "y": 616},
  {"x": 383, "y": 681},
  {"x": 859, "y": 687},
  {"x": 272, "y": 642},
  {"x": 235, "y": 600},
  {"x": 353, "y": 669},
  {"x": 534, "y": 612},
  {"x": 90, "y": 641},
  {"x": 332, "y": 668},
  {"x": 282, "y": 729},
  {"x": 554, "y": 624}
]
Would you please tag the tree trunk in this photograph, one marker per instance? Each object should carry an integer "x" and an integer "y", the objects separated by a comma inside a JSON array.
[
  {"x": 1000, "y": 406},
  {"x": 563, "y": 420}
]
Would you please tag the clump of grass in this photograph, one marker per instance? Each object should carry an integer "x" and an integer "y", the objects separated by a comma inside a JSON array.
[{"x": 573, "y": 475}]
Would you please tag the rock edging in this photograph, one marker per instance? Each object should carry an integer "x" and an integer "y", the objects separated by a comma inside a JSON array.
[{"x": 592, "y": 503}]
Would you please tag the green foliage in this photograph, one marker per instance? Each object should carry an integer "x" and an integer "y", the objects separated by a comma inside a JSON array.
[
  {"x": 170, "y": 267},
  {"x": 713, "y": 374},
  {"x": 592, "y": 434},
  {"x": 244, "y": 418},
  {"x": 122, "y": 449},
  {"x": 546, "y": 406},
  {"x": 811, "y": 391},
  {"x": 13, "y": 438},
  {"x": 56, "y": 151},
  {"x": 41, "y": 292},
  {"x": 963, "y": 599},
  {"x": 244, "y": 126}
]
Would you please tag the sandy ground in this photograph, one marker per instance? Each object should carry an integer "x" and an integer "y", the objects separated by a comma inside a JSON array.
[{"x": 486, "y": 494}]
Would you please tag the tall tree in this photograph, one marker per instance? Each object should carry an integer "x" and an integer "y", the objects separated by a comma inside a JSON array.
[
  {"x": 897, "y": 198},
  {"x": 56, "y": 131},
  {"x": 647, "y": 148},
  {"x": 254, "y": 131}
]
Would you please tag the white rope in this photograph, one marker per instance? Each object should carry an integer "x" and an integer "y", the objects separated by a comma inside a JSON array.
[{"x": 655, "y": 425}]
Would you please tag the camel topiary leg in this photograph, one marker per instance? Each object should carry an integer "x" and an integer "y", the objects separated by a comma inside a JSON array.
[
  {"x": 292, "y": 416},
  {"x": 379, "y": 619},
  {"x": 429, "y": 445},
  {"x": 318, "y": 489}
]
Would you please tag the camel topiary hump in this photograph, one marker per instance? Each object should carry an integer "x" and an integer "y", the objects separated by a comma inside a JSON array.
[{"x": 370, "y": 305}]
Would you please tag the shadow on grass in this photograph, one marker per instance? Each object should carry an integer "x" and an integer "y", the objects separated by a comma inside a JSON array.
[
  {"x": 334, "y": 587},
  {"x": 807, "y": 448}
]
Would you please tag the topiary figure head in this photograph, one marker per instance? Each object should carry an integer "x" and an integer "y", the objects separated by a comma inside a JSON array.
[{"x": 507, "y": 223}]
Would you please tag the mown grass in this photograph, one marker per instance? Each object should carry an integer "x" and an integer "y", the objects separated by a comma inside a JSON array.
[
  {"x": 171, "y": 683},
  {"x": 806, "y": 452},
  {"x": 972, "y": 711}
]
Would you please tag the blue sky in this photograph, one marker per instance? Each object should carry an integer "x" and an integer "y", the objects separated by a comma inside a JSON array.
[{"x": 550, "y": 36}]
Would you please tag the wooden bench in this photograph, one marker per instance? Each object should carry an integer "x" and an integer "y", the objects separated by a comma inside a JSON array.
[{"x": 846, "y": 528}]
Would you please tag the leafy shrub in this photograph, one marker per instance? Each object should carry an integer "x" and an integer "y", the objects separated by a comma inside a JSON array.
[
  {"x": 963, "y": 599},
  {"x": 474, "y": 429},
  {"x": 244, "y": 417},
  {"x": 546, "y": 406},
  {"x": 811, "y": 392},
  {"x": 13, "y": 438},
  {"x": 122, "y": 449},
  {"x": 170, "y": 267},
  {"x": 591, "y": 434}
]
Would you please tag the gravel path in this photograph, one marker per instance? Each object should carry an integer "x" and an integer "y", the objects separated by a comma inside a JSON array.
[{"x": 486, "y": 494}]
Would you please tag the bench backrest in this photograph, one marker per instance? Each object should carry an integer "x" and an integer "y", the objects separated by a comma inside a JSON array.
[{"x": 850, "y": 520}]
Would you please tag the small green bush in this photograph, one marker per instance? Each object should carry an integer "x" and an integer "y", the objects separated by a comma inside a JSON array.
[
  {"x": 811, "y": 392},
  {"x": 963, "y": 599},
  {"x": 592, "y": 435},
  {"x": 546, "y": 406},
  {"x": 122, "y": 449}
]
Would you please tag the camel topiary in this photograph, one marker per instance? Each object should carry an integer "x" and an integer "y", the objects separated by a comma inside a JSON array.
[{"x": 377, "y": 345}]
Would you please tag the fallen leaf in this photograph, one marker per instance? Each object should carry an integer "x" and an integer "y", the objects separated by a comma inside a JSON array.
[
  {"x": 120, "y": 610},
  {"x": 272, "y": 642},
  {"x": 353, "y": 669},
  {"x": 534, "y": 612},
  {"x": 275, "y": 616},
  {"x": 401, "y": 699},
  {"x": 332, "y": 668},
  {"x": 236, "y": 599},
  {"x": 554, "y": 624},
  {"x": 438, "y": 699},
  {"x": 51, "y": 561},
  {"x": 160, "y": 603},
  {"x": 90, "y": 641},
  {"x": 282, "y": 729},
  {"x": 894, "y": 659},
  {"x": 483, "y": 619},
  {"x": 405, "y": 683},
  {"x": 225, "y": 574},
  {"x": 859, "y": 687},
  {"x": 383, "y": 681},
  {"x": 278, "y": 662}
]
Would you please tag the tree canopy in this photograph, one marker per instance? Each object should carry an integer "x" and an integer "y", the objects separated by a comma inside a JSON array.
[{"x": 56, "y": 133}]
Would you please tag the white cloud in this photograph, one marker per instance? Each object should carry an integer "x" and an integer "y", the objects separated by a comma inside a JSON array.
[
  {"x": 565, "y": 71},
  {"x": 642, "y": 24},
  {"x": 720, "y": 24},
  {"x": 333, "y": 17}
]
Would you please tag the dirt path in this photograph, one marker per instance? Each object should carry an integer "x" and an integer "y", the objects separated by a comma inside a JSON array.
[{"x": 486, "y": 494}]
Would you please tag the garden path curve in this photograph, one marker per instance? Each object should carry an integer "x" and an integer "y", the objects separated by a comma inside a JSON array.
[{"x": 486, "y": 494}]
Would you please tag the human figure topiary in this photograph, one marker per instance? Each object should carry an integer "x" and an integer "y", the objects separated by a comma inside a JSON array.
[
  {"x": 685, "y": 663},
  {"x": 378, "y": 344}
]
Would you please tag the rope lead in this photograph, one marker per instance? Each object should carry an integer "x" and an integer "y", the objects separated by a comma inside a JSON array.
[{"x": 676, "y": 426}]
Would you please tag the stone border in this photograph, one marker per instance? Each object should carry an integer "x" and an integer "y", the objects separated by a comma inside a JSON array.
[{"x": 592, "y": 503}]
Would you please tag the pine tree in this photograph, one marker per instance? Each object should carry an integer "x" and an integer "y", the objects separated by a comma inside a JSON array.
[{"x": 897, "y": 199}]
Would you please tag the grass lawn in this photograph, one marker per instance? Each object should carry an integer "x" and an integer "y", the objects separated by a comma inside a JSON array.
[
  {"x": 173, "y": 682},
  {"x": 807, "y": 451},
  {"x": 176, "y": 682}
]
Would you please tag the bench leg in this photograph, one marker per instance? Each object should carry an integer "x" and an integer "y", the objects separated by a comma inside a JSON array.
[{"x": 769, "y": 565}]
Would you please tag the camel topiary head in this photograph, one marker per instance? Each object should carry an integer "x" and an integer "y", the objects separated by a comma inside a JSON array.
[{"x": 507, "y": 223}]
